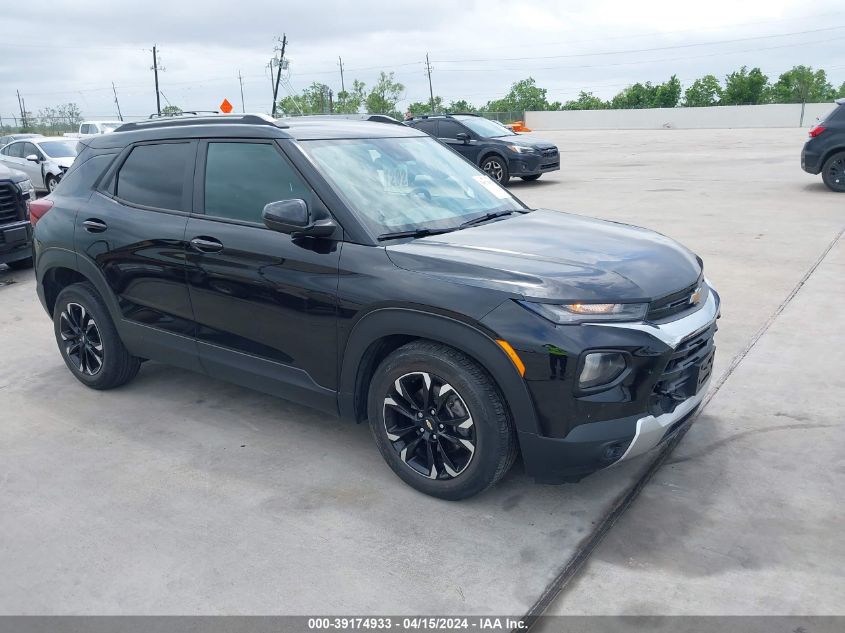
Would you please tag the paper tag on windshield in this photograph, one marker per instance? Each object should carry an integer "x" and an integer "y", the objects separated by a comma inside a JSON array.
[{"x": 492, "y": 187}]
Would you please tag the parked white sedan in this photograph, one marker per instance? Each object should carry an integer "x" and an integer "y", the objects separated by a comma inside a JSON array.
[{"x": 44, "y": 160}]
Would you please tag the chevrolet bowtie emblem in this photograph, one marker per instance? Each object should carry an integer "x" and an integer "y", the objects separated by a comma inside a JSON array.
[{"x": 695, "y": 297}]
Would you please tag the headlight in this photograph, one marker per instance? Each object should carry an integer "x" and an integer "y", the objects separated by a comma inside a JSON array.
[
  {"x": 589, "y": 312},
  {"x": 600, "y": 368},
  {"x": 26, "y": 188},
  {"x": 521, "y": 149}
]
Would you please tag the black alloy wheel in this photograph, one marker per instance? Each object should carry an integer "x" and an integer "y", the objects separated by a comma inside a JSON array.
[
  {"x": 429, "y": 425},
  {"x": 833, "y": 172},
  {"x": 83, "y": 345},
  {"x": 88, "y": 340},
  {"x": 440, "y": 421}
]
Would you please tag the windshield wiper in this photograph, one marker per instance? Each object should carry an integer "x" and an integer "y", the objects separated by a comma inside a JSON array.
[
  {"x": 412, "y": 233},
  {"x": 487, "y": 216}
]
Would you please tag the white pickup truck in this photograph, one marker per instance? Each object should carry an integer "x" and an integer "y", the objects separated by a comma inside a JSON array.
[{"x": 92, "y": 128}]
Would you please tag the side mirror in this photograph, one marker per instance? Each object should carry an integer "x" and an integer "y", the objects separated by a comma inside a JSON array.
[
  {"x": 462, "y": 136},
  {"x": 294, "y": 218},
  {"x": 33, "y": 158}
]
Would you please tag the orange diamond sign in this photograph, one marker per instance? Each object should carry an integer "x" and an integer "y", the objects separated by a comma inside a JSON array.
[{"x": 225, "y": 107}]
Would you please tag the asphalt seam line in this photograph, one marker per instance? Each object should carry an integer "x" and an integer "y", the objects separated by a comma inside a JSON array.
[{"x": 576, "y": 562}]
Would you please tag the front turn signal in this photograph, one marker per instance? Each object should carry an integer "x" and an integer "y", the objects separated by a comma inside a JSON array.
[{"x": 511, "y": 352}]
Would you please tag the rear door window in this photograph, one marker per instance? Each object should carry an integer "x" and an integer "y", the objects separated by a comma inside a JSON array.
[
  {"x": 429, "y": 127},
  {"x": 155, "y": 175},
  {"x": 450, "y": 129}
]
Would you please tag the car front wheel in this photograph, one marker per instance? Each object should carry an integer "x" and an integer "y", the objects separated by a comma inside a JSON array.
[
  {"x": 497, "y": 168},
  {"x": 833, "y": 172},
  {"x": 439, "y": 421},
  {"x": 88, "y": 340},
  {"x": 52, "y": 183}
]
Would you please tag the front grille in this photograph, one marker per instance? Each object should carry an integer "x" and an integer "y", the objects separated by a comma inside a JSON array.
[
  {"x": 11, "y": 205},
  {"x": 688, "y": 369},
  {"x": 678, "y": 302},
  {"x": 549, "y": 152},
  {"x": 549, "y": 165}
]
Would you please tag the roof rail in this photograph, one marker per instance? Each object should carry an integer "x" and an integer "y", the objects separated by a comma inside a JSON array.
[
  {"x": 465, "y": 114},
  {"x": 230, "y": 119},
  {"x": 159, "y": 115}
]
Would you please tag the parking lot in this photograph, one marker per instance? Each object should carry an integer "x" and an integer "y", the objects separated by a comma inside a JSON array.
[{"x": 180, "y": 494}]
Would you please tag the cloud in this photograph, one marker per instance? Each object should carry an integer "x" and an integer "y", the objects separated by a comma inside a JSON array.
[{"x": 87, "y": 44}]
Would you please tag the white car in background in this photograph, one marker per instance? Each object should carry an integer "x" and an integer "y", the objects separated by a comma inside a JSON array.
[
  {"x": 92, "y": 128},
  {"x": 44, "y": 160}
]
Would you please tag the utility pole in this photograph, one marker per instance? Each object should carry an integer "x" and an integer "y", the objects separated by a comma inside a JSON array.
[
  {"x": 430, "y": 89},
  {"x": 155, "y": 69},
  {"x": 241, "y": 80},
  {"x": 116, "y": 102},
  {"x": 23, "y": 111},
  {"x": 340, "y": 63},
  {"x": 279, "y": 71}
]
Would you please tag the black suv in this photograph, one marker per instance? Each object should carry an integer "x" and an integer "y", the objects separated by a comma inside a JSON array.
[
  {"x": 500, "y": 152},
  {"x": 824, "y": 151},
  {"x": 16, "y": 193},
  {"x": 366, "y": 270}
]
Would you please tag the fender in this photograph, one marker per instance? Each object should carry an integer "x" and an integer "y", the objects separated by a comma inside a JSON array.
[
  {"x": 490, "y": 151},
  {"x": 462, "y": 336}
]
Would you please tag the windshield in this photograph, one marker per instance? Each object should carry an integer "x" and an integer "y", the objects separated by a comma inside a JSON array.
[
  {"x": 59, "y": 149},
  {"x": 404, "y": 184},
  {"x": 486, "y": 127},
  {"x": 827, "y": 115}
]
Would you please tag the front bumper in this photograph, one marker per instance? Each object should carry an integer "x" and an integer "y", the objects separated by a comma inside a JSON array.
[
  {"x": 579, "y": 434},
  {"x": 15, "y": 241},
  {"x": 533, "y": 164}
]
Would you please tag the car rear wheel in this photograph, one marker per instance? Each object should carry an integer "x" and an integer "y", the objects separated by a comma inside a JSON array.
[
  {"x": 497, "y": 168},
  {"x": 531, "y": 177},
  {"x": 439, "y": 421},
  {"x": 88, "y": 340},
  {"x": 833, "y": 172}
]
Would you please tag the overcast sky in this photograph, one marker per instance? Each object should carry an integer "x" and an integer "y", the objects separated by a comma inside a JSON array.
[{"x": 76, "y": 48}]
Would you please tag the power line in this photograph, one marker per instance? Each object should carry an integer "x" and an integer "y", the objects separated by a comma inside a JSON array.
[{"x": 640, "y": 50}]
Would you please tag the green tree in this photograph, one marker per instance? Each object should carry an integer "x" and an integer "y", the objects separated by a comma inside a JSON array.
[
  {"x": 841, "y": 91},
  {"x": 667, "y": 94},
  {"x": 171, "y": 110},
  {"x": 462, "y": 105},
  {"x": 350, "y": 101},
  {"x": 801, "y": 84},
  {"x": 745, "y": 87},
  {"x": 585, "y": 101},
  {"x": 424, "y": 107},
  {"x": 523, "y": 95},
  {"x": 634, "y": 97},
  {"x": 703, "y": 92},
  {"x": 384, "y": 95}
]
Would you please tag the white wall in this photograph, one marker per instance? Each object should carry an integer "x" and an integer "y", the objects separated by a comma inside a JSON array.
[{"x": 771, "y": 115}]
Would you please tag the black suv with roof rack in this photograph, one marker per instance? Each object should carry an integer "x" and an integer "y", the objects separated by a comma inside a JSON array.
[
  {"x": 500, "y": 152},
  {"x": 366, "y": 270},
  {"x": 824, "y": 151}
]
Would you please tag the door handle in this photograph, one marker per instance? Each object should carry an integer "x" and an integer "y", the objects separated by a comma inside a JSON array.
[
  {"x": 206, "y": 245},
  {"x": 93, "y": 225}
]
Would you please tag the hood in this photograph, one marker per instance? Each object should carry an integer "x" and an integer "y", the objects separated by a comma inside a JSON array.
[
  {"x": 550, "y": 256},
  {"x": 11, "y": 174},
  {"x": 529, "y": 140}
]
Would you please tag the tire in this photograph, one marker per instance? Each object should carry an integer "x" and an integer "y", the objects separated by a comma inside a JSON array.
[
  {"x": 105, "y": 363},
  {"x": 496, "y": 167},
  {"x": 21, "y": 264},
  {"x": 470, "y": 412},
  {"x": 531, "y": 178},
  {"x": 51, "y": 183},
  {"x": 833, "y": 172}
]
